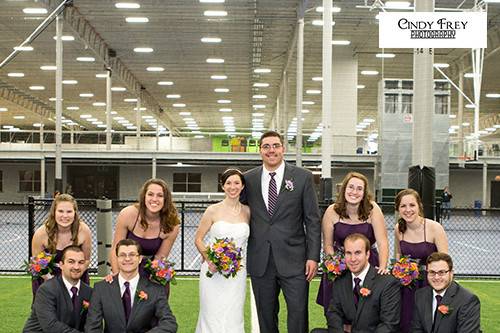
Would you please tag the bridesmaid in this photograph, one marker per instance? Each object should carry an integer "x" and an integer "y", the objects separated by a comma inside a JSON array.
[
  {"x": 152, "y": 222},
  {"x": 417, "y": 237},
  {"x": 353, "y": 212},
  {"x": 62, "y": 228}
]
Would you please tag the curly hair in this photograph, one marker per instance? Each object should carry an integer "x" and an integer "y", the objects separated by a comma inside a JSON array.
[
  {"x": 51, "y": 225},
  {"x": 365, "y": 206},
  {"x": 168, "y": 213},
  {"x": 402, "y": 227}
]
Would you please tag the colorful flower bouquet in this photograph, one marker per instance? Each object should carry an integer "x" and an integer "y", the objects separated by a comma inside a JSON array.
[
  {"x": 406, "y": 270},
  {"x": 224, "y": 254},
  {"x": 41, "y": 264},
  {"x": 161, "y": 271},
  {"x": 333, "y": 265}
]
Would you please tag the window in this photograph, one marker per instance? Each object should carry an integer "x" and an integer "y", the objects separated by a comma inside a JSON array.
[
  {"x": 407, "y": 85},
  {"x": 391, "y": 102},
  {"x": 29, "y": 181},
  {"x": 187, "y": 182},
  {"x": 406, "y": 103},
  {"x": 441, "y": 106}
]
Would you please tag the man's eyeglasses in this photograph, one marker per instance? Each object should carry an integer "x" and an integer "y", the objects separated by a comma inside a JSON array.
[
  {"x": 127, "y": 255},
  {"x": 438, "y": 273},
  {"x": 267, "y": 146}
]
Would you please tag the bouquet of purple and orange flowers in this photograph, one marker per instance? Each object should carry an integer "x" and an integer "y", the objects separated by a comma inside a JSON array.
[
  {"x": 406, "y": 270},
  {"x": 41, "y": 264},
  {"x": 333, "y": 265},
  {"x": 161, "y": 271},
  {"x": 226, "y": 256}
]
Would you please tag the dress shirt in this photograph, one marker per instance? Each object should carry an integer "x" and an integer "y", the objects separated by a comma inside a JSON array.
[
  {"x": 361, "y": 276},
  {"x": 133, "y": 286},
  {"x": 68, "y": 286},
  {"x": 265, "y": 178},
  {"x": 434, "y": 302}
]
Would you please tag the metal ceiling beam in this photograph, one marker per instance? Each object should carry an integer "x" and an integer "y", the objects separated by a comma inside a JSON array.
[{"x": 88, "y": 34}]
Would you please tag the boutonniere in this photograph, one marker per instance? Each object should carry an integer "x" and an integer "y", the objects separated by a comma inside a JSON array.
[
  {"x": 444, "y": 309},
  {"x": 85, "y": 306},
  {"x": 365, "y": 292},
  {"x": 289, "y": 185},
  {"x": 143, "y": 296}
]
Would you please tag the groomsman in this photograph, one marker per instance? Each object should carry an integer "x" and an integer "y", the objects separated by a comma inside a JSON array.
[
  {"x": 363, "y": 300},
  {"x": 61, "y": 303},
  {"x": 444, "y": 306},
  {"x": 130, "y": 303}
]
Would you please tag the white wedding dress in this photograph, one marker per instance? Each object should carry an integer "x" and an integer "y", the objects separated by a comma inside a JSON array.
[{"x": 221, "y": 299}]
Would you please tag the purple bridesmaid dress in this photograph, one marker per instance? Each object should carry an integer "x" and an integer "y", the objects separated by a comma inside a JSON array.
[
  {"x": 340, "y": 232},
  {"x": 418, "y": 251}
]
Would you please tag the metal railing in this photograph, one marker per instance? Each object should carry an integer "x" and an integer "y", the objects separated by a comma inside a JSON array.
[{"x": 473, "y": 234}]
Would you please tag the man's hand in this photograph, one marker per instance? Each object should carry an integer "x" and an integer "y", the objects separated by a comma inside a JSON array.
[{"x": 311, "y": 269}]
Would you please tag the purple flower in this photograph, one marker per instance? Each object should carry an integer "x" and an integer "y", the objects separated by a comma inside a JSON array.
[{"x": 289, "y": 185}]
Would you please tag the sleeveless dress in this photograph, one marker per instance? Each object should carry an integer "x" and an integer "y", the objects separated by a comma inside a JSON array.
[
  {"x": 340, "y": 233},
  {"x": 418, "y": 251},
  {"x": 221, "y": 299},
  {"x": 149, "y": 247},
  {"x": 36, "y": 283}
]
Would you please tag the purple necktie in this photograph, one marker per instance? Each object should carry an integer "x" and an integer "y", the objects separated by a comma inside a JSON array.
[
  {"x": 357, "y": 287},
  {"x": 74, "y": 292},
  {"x": 439, "y": 298},
  {"x": 272, "y": 194},
  {"x": 126, "y": 300}
]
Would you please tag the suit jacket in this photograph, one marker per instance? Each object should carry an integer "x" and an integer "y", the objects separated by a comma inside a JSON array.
[
  {"x": 148, "y": 315},
  {"x": 284, "y": 232},
  {"x": 52, "y": 310},
  {"x": 464, "y": 315},
  {"x": 378, "y": 312}
]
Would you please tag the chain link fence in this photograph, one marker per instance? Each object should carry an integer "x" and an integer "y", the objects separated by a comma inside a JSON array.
[{"x": 473, "y": 234}]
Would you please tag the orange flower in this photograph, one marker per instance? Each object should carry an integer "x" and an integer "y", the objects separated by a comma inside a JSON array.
[
  {"x": 143, "y": 296},
  {"x": 365, "y": 292},
  {"x": 85, "y": 304},
  {"x": 444, "y": 309}
]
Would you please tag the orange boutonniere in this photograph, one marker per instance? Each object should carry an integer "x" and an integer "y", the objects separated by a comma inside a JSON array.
[
  {"x": 365, "y": 292},
  {"x": 444, "y": 309},
  {"x": 143, "y": 296},
  {"x": 85, "y": 306}
]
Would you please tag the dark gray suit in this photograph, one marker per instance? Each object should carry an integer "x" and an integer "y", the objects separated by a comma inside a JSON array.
[
  {"x": 52, "y": 310},
  {"x": 279, "y": 246},
  {"x": 106, "y": 305},
  {"x": 464, "y": 316},
  {"x": 378, "y": 312}
]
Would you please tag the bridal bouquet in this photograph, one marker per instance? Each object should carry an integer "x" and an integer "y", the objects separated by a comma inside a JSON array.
[
  {"x": 224, "y": 254},
  {"x": 41, "y": 264},
  {"x": 406, "y": 270},
  {"x": 161, "y": 271},
  {"x": 333, "y": 265}
]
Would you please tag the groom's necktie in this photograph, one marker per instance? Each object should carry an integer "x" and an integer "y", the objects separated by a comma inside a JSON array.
[
  {"x": 126, "y": 300},
  {"x": 357, "y": 287},
  {"x": 74, "y": 299},
  {"x": 272, "y": 194},
  {"x": 439, "y": 298}
]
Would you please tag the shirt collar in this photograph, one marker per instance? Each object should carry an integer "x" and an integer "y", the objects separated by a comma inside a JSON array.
[
  {"x": 434, "y": 293},
  {"x": 361, "y": 275},
  {"x": 68, "y": 285},
  {"x": 279, "y": 171},
  {"x": 133, "y": 282}
]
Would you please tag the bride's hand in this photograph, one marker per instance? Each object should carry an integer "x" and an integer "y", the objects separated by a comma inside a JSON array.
[
  {"x": 109, "y": 278},
  {"x": 211, "y": 267}
]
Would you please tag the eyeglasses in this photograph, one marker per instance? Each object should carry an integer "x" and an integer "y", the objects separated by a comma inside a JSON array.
[
  {"x": 353, "y": 188},
  {"x": 127, "y": 255},
  {"x": 268, "y": 146},
  {"x": 438, "y": 273}
]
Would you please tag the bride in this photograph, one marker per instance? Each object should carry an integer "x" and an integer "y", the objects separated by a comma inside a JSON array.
[{"x": 222, "y": 299}]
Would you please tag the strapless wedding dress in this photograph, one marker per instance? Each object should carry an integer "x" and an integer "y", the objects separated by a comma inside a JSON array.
[{"x": 221, "y": 299}]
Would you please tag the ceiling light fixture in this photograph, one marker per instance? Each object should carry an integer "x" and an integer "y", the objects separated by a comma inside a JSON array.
[
  {"x": 179, "y": 105},
  {"x": 360, "y": 86},
  {"x": 218, "y": 77},
  {"x": 127, "y": 5},
  {"x": 34, "y": 11},
  {"x": 118, "y": 89},
  {"x": 369, "y": 72},
  {"x": 23, "y": 48},
  {"x": 173, "y": 96},
  {"x": 441, "y": 65},
  {"x": 261, "y": 85},
  {"x": 69, "y": 82},
  {"x": 37, "y": 88},
  {"x": 221, "y": 90},
  {"x": 211, "y": 40},
  {"x": 165, "y": 83},
  {"x": 48, "y": 68},
  {"x": 155, "y": 69},
  {"x": 262, "y": 70},
  {"x": 143, "y": 50},
  {"x": 215, "y": 60},
  {"x": 15, "y": 74},
  {"x": 99, "y": 104},
  {"x": 385, "y": 55},
  {"x": 66, "y": 38},
  {"x": 341, "y": 42},
  {"x": 225, "y": 110},
  {"x": 335, "y": 9},
  {"x": 215, "y": 13},
  {"x": 136, "y": 19},
  {"x": 85, "y": 59}
]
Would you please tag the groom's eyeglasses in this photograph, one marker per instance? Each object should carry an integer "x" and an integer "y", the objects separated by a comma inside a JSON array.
[
  {"x": 127, "y": 255},
  {"x": 268, "y": 146},
  {"x": 438, "y": 273}
]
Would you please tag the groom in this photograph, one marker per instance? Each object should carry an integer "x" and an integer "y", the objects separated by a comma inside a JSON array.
[{"x": 285, "y": 236}]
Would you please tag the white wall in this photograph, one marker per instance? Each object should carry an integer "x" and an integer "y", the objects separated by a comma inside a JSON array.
[
  {"x": 466, "y": 185},
  {"x": 10, "y": 180}
]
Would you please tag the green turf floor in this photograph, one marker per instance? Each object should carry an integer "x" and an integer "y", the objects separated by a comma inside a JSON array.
[{"x": 15, "y": 302}]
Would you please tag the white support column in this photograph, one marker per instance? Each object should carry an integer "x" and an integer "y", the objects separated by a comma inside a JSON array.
[
  {"x": 59, "y": 99},
  {"x": 460, "y": 115},
  {"x": 42, "y": 163},
  {"x": 423, "y": 97},
  {"x": 108, "y": 110},
  {"x": 327, "y": 135},
  {"x": 286, "y": 107},
  {"x": 485, "y": 184},
  {"x": 300, "y": 84},
  {"x": 153, "y": 167},
  {"x": 138, "y": 120}
]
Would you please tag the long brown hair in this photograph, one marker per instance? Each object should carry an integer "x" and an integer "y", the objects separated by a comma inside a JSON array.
[
  {"x": 402, "y": 227},
  {"x": 51, "y": 224},
  {"x": 365, "y": 206},
  {"x": 168, "y": 213}
]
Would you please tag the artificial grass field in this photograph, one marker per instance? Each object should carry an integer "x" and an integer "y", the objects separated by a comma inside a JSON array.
[{"x": 15, "y": 303}]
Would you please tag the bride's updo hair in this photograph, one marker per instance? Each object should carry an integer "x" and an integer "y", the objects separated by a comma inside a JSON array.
[{"x": 231, "y": 172}]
